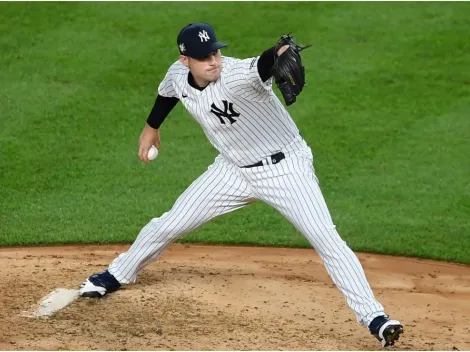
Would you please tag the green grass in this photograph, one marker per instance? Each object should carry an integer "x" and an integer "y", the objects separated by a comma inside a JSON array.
[{"x": 386, "y": 112}]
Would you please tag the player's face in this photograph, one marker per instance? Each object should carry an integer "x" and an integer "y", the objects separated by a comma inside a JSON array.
[{"x": 206, "y": 68}]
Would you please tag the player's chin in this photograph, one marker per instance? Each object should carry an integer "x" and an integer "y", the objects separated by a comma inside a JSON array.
[{"x": 213, "y": 75}]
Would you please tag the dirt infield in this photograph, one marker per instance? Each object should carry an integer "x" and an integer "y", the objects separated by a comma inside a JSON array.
[{"x": 227, "y": 298}]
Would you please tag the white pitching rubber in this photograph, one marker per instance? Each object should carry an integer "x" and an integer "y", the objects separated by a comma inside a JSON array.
[{"x": 53, "y": 302}]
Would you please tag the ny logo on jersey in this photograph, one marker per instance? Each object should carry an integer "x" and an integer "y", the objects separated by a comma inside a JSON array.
[
  {"x": 204, "y": 36},
  {"x": 228, "y": 112}
]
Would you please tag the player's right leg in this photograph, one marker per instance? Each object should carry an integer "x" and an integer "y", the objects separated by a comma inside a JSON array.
[{"x": 217, "y": 191}]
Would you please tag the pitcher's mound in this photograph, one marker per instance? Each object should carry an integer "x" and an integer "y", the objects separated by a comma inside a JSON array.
[{"x": 227, "y": 298}]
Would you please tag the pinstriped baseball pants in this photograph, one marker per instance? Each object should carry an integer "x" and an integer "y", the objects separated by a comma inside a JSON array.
[{"x": 291, "y": 188}]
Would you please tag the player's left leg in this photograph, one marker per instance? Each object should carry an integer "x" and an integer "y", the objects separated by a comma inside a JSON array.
[{"x": 292, "y": 188}]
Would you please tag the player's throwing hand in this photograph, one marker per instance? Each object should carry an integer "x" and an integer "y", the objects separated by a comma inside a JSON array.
[{"x": 149, "y": 136}]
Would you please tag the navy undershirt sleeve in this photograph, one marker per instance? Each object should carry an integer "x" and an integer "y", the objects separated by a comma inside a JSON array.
[
  {"x": 265, "y": 63},
  {"x": 160, "y": 110}
]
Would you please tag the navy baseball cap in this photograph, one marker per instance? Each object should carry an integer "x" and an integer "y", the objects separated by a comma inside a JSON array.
[{"x": 198, "y": 40}]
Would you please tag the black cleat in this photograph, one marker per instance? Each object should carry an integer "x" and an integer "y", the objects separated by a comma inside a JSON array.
[
  {"x": 98, "y": 285},
  {"x": 387, "y": 331}
]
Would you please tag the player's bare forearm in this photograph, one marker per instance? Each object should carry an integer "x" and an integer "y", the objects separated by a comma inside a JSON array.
[{"x": 149, "y": 136}]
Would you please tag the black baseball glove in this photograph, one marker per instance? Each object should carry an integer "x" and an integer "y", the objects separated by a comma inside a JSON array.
[{"x": 288, "y": 71}]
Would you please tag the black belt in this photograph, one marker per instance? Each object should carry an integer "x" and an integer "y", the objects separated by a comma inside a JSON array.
[{"x": 275, "y": 158}]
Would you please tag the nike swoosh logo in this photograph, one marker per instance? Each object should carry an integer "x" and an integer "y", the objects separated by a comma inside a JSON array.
[{"x": 185, "y": 96}]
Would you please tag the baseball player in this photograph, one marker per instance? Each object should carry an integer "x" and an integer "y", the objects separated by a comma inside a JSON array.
[{"x": 262, "y": 157}]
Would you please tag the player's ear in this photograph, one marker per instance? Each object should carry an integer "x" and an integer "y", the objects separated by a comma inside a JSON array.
[{"x": 184, "y": 60}]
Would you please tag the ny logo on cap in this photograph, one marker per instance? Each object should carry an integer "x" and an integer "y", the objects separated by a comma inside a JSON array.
[
  {"x": 204, "y": 36},
  {"x": 182, "y": 48}
]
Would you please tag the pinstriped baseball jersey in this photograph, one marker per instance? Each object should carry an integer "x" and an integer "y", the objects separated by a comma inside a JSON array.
[{"x": 239, "y": 113}]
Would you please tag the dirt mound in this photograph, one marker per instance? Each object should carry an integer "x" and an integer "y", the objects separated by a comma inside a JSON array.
[{"x": 227, "y": 298}]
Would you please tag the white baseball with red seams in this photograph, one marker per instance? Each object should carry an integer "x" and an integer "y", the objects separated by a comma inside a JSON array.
[{"x": 245, "y": 121}]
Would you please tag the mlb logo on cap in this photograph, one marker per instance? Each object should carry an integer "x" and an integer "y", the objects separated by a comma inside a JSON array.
[{"x": 198, "y": 40}]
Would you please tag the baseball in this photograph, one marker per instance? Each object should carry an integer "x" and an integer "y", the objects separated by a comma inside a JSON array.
[{"x": 153, "y": 152}]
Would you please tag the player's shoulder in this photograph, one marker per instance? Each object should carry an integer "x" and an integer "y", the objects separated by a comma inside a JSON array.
[
  {"x": 177, "y": 69},
  {"x": 231, "y": 64},
  {"x": 230, "y": 60},
  {"x": 227, "y": 60}
]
